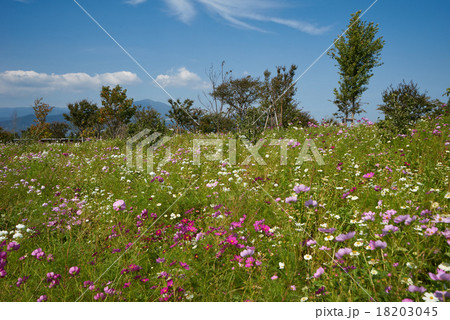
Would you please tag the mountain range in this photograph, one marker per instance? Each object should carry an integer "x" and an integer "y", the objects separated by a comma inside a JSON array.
[{"x": 25, "y": 115}]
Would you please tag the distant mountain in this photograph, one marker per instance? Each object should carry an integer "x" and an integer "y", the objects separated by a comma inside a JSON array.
[
  {"x": 7, "y": 113},
  {"x": 161, "y": 107},
  {"x": 25, "y": 115},
  {"x": 24, "y": 122}
]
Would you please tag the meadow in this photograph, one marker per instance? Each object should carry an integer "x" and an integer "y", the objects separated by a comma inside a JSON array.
[{"x": 371, "y": 224}]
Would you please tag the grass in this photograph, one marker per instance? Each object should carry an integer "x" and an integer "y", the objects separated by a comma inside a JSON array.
[{"x": 197, "y": 220}]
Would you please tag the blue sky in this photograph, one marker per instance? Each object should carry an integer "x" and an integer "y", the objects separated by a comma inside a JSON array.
[{"x": 52, "y": 49}]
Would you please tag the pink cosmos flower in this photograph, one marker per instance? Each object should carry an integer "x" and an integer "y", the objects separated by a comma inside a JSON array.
[
  {"x": 377, "y": 244},
  {"x": 291, "y": 199},
  {"x": 42, "y": 298},
  {"x": 368, "y": 175},
  {"x": 413, "y": 288},
  {"x": 73, "y": 271},
  {"x": 13, "y": 246},
  {"x": 344, "y": 237},
  {"x": 38, "y": 253},
  {"x": 274, "y": 277},
  {"x": 440, "y": 275},
  {"x": 342, "y": 252},
  {"x": 119, "y": 205},
  {"x": 319, "y": 272},
  {"x": 301, "y": 188}
]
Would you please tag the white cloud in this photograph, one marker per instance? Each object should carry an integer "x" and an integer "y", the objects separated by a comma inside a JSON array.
[
  {"x": 182, "y": 9},
  {"x": 241, "y": 13},
  {"x": 19, "y": 81},
  {"x": 182, "y": 78},
  {"x": 135, "y": 2}
]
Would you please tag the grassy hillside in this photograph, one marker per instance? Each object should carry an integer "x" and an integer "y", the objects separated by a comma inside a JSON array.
[{"x": 369, "y": 224}]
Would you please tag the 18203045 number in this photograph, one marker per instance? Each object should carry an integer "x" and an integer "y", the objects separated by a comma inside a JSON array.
[{"x": 406, "y": 311}]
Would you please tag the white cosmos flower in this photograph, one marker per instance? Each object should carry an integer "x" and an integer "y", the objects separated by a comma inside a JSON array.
[
  {"x": 281, "y": 265},
  {"x": 307, "y": 257},
  {"x": 429, "y": 297}
]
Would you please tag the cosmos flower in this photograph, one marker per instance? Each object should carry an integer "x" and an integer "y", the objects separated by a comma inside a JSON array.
[
  {"x": 311, "y": 202},
  {"x": 301, "y": 188},
  {"x": 119, "y": 205},
  {"x": 377, "y": 244},
  {"x": 291, "y": 199},
  {"x": 319, "y": 272},
  {"x": 344, "y": 237},
  {"x": 73, "y": 271},
  {"x": 441, "y": 275},
  {"x": 342, "y": 252}
]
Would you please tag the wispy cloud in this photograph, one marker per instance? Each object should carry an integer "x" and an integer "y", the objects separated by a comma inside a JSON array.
[
  {"x": 241, "y": 13},
  {"x": 19, "y": 81},
  {"x": 182, "y": 9},
  {"x": 182, "y": 78},
  {"x": 135, "y": 2}
]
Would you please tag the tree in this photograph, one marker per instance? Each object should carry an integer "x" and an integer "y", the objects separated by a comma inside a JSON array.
[
  {"x": 147, "y": 118},
  {"x": 117, "y": 111},
  {"x": 184, "y": 116},
  {"x": 356, "y": 53},
  {"x": 58, "y": 129},
  {"x": 217, "y": 114},
  {"x": 241, "y": 96},
  {"x": 277, "y": 94},
  {"x": 84, "y": 116},
  {"x": 5, "y": 136},
  {"x": 404, "y": 105},
  {"x": 41, "y": 128}
]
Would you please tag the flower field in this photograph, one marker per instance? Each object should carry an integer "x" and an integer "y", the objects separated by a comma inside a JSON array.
[{"x": 371, "y": 224}]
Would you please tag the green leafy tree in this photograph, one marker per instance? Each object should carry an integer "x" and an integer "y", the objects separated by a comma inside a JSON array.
[
  {"x": 40, "y": 128},
  {"x": 147, "y": 118},
  {"x": 84, "y": 116},
  {"x": 241, "y": 95},
  {"x": 58, "y": 129},
  {"x": 404, "y": 105},
  {"x": 277, "y": 96},
  {"x": 184, "y": 116},
  {"x": 5, "y": 136},
  {"x": 117, "y": 111},
  {"x": 356, "y": 53}
]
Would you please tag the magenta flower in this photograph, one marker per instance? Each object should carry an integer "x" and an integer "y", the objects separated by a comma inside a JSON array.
[
  {"x": 160, "y": 260},
  {"x": 73, "y": 271},
  {"x": 184, "y": 265},
  {"x": 38, "y": 253},
  {"x": 319, "y": 272},
  {"x": 301, "y": 188},
  {"x": 377, "y": 244},
  {"x": 119, "y": 205},
  {"x": 407, "y": 300},
  {"x": 440, "y": 275},
  {"x": 3, "y": 273},
  {"x": 100, "y": 296},
  {"x": 368, "y": 175},
  {"x": 342, "y": 252},
  {"x": 13, "y": 246},
  {"x": 344, "y": 237},
  {"x": 42, "y": 298},
  {"x": 232, "y": 240},
  {"x": 274, "y": 277},
  {"x": 310, "y": 242}
]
